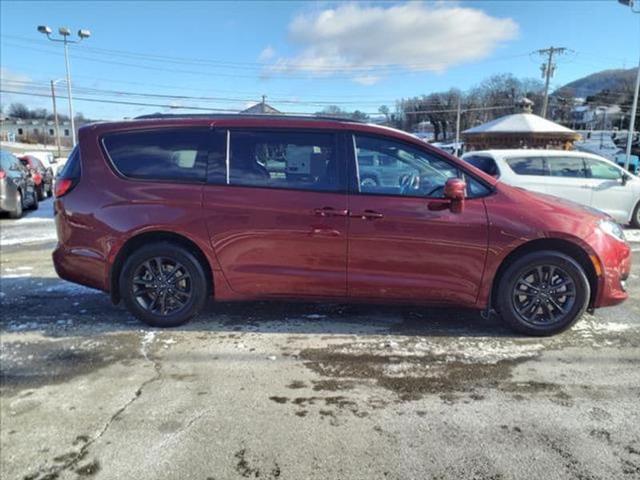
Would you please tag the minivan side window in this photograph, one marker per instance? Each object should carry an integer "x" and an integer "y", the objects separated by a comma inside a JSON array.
[
  {"x": 399, "y": 169},
  {"x": 601, "y": 170},
  {"x": 160, "y": 154},
  {"x": 566, "y": 167},
  {"x": 486, "y": 164},
  {"x": 527, "y": 165},
  {"x": 284, "y": 159}
]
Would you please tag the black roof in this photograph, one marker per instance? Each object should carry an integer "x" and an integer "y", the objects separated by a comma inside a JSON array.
[{"x": 221, "y": 116}]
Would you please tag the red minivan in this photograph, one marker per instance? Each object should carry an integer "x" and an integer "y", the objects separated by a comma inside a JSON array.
[{"x": 165, "y": 211}]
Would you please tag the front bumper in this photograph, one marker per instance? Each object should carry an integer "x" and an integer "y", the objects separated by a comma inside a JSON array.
[{"x": 614, "y": 259}]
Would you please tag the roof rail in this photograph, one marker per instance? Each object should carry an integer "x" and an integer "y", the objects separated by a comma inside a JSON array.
[{"x": 215, "y": 116}]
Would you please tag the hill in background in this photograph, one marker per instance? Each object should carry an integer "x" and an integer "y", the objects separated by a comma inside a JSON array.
[{"x": 614, "y": 80}]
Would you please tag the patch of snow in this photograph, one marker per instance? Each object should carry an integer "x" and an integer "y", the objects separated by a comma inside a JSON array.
[
  {"x": 18, "y": 269},
  {"x": 315, "y": 316},
  {"x": 16, "y": 275},
  {"x": 147, "y": 340}
]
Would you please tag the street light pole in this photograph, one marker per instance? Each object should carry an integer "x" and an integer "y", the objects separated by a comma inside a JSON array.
[
  {"x": 66, "y": 63},
  {"x": 632, "y": 121},
  {"x": 65, "y": 33}
]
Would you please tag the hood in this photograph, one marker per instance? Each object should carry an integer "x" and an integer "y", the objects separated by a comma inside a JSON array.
[{"x": 549, "y": 204}]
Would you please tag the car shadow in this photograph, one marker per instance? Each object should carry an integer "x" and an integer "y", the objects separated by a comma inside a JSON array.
[{"x": 58, "y": 308}]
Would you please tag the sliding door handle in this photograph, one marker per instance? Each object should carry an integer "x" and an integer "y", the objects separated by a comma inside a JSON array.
[
  {"x": 369, "y": 215},
  {"x": 330, "y": 212}
]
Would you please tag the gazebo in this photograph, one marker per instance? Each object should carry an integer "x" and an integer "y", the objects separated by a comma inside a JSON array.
[{"x": 519, "y": 130}]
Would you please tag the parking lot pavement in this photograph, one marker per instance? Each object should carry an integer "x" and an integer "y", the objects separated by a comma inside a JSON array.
[{"x": 302, "y": 391}]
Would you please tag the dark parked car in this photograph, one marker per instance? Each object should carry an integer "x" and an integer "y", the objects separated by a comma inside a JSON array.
[
  {"x": 167, "y": 211},
  {"x": 42, "y": 176},
  {"x": 17, "y": 189}
]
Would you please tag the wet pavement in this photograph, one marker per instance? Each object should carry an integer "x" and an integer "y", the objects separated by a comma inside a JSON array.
[{"x": 303, "y": 391}]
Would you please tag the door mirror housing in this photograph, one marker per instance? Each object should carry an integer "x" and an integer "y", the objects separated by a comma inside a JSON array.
[
  {"x": 455, "y": 190},
  {"x": 625, "y": 178}
]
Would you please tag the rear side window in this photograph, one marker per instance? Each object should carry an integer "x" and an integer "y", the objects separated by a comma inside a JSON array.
[
  {"x": 527, "y": 165},
  {"x": 71, "y": 168},
  {"x": 284, "y": 159},
  {"x": 486, "y": 164},
  {"x": 179, "y": 154},
  {"x": 566, "y": 167}
]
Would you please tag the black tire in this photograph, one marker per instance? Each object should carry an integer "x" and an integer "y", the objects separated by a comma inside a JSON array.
[
  {"x": 141, "y": 268},
  {"x": 635, "y": 218},
  {"x": 554, "y": 303},
  {"x": 41, "y": 192},
  {"x": 17, "y": 213},
  {"x": 34, "y": 200}
]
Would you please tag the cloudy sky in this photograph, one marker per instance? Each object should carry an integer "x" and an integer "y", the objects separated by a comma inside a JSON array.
[{"x": 146, "y": 56}]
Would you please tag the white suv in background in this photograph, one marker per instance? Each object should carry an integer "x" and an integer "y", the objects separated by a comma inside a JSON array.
[{"x": 578, "y": 176}]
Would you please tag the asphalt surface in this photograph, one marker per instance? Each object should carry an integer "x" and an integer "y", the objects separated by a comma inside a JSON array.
[{"x": 303, "y": 391}]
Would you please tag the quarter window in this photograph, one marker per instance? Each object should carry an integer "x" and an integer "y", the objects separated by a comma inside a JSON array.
[
  {"x": 527, "y": 165},
  {"x": 284, "y": 159},
  {"x": 601, "y": 170},
  {"x": 160, "y": 154}
]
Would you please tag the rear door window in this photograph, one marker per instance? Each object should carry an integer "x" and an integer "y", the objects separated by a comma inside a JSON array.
[
  {"x": 527, "y": 165},
  {"x": 285, "y": 159},
  {"x": 162, "y": 154},
  {"x": 572, "y": 167}
]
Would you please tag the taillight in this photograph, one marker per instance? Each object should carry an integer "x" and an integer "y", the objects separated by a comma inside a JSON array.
[
  {"x": 37, "y": 178},
  {"x": 64, "y": 186},
  {"x": 3, "y": 174}
]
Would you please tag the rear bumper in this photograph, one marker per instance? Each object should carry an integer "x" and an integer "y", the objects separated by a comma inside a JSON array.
[{"x": 79, "y": 266}]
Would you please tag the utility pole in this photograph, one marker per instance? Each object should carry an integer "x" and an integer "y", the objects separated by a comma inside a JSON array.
[
  {"x": 458, "y": 112},
  {"x": 55, "y": 117},
  {"x": 548, "y": 70}
]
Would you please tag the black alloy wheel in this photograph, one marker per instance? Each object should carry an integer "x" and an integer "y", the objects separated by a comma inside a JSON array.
[
  {"x": 543, "y": 293},
  {"x": 163, "y": 284}
]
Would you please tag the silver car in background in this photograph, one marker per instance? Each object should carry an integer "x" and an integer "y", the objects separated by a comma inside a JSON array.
[{"x": 17, "y": 190}]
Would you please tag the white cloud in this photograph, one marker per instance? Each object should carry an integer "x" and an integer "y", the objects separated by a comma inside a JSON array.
[
  {"x": 267, "y": 54},
  {"x": 366, "y": 79},
  {"x": 357, "y": 39}
]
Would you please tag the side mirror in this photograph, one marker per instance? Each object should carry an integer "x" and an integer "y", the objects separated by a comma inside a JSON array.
[
  {"x": 455, "y": 190},
  {"x": 625, "y": 178}
]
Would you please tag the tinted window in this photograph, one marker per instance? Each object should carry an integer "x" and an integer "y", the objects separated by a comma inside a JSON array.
[
  {"x": 284, "y": 159},
  {"x": 566, "y": 167},
  {"x": 602, "y": 170},
  {"x": 486, "y": 164},
  {"x": 527, "y": 165},
  {"x": 6, "y": 161},
  {"x": 399, "y": 169},
  {"x": 71, "y": 168},
  {"x": 160, "y": 154}
]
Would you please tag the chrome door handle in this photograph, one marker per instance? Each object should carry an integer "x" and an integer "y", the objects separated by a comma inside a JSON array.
[
  {"x": 330, "y": 212},
  {"x": 369, "y": 215}
]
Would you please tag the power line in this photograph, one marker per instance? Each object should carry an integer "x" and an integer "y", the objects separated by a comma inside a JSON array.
[{"x": 548, "y": 70}]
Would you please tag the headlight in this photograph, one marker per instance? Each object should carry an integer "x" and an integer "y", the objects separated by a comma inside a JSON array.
[{"x": 613, "y": 229}]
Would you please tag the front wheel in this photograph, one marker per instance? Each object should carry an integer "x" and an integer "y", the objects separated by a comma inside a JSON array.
[
  {"x": 163, "y": 284},
  {"x": 543, "y": 293}
]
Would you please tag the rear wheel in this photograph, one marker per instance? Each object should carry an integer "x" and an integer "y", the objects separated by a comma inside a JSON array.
[
  {"x": 163, "y": 284},
  {"x": 17, "y": 213},
  {"x": 543, "y": 293}
]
